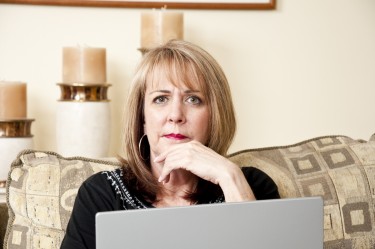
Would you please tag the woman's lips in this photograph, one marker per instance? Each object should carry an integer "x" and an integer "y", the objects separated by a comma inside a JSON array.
[{"x": 175, "y": 136}]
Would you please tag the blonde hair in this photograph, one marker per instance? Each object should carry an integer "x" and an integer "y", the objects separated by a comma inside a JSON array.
[{"x": 184, "y": 64}]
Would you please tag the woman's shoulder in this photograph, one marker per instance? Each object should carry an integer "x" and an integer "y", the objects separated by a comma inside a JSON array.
[
  {"x": 262, "y": 184},
  {"x": 250, "y": 171},
  {"x": 253, "y": 172},
  {"x": 113, "y": 183},
  {"x": 103, "y": 176},
  {"x": 102, "y": 182}
]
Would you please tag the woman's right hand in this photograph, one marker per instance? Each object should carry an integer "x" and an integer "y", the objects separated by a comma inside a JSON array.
[{"x": 207, "y": 164}]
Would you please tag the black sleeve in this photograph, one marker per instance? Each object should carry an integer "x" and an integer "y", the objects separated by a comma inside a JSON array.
[
  {"x": 262, "y": 185},
  {"x": 94, "y": 195}
]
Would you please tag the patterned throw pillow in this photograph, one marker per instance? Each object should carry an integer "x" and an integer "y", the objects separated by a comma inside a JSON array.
[
  {"x": 337, "y": 168},
  {"x": 41, "y": 191}
]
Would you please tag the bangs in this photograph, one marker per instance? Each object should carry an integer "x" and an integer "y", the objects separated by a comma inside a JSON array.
[{"x": 179, "y": 70}]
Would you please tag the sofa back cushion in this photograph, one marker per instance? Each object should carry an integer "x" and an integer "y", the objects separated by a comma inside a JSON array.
[{"x": 42, "y": 186}]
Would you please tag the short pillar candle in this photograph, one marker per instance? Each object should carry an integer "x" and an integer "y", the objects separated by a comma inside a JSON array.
[
  {"x": 13, "y": 100},
  {"x": 84, "y": 65},
  {"x": 160, "y": 26}
]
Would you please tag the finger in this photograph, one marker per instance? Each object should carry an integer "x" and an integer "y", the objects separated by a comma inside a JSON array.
[
  {"x": 164, "y": 178},
  {"x": 162, "y": 156},
  {"x": 171, "y": 163}
]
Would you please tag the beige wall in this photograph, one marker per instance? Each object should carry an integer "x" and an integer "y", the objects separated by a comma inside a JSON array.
[{"x": 305, "y": 69}]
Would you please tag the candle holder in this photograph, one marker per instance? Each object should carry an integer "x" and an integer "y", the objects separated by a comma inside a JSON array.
[
  {"x": 15, "y": 128},
  {"x": 15, "y": 136},
  {"x": 83, "y": 92},
  {"x": 83, "y": 120}
]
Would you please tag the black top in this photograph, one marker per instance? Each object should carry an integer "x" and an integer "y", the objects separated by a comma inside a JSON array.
[{"x": 106, "y": 191}]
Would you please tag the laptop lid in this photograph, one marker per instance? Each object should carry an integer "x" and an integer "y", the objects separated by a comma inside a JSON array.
[{"x": 282, "y": 223}]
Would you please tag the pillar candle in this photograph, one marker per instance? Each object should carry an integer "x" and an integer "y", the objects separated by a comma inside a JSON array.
[
  {"x": 13, "y": 100},
  {"x": 84, "y": 65},
  {"x": 160, "y": 26}
]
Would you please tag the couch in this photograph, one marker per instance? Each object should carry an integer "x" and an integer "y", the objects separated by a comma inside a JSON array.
[{"x": 41, "y": 188}]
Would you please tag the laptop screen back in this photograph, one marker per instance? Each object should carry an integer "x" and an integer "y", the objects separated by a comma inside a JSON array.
[{"x": 284, "y": 223}]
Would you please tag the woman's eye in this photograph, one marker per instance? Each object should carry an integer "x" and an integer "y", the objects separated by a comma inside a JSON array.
[
  {"x": 160, "y": 100},
  {"x": 194, "y": 100}
]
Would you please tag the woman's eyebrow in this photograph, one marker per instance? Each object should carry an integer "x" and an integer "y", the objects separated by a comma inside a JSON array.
[
  {"x": 167, "y": 91},
  {"x": 160, "y": 91},
  {"x": 192, "y": 91}
]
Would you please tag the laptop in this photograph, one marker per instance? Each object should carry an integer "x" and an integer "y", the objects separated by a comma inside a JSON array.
[{"x": 293, "y": 223}]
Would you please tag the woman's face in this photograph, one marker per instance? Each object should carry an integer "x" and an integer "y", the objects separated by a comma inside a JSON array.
[{"x": 173, "y": 114}]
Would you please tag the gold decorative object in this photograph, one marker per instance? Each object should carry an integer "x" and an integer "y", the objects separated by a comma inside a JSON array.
[
  {"x": 79, "y": 92},
  {"x": 15, "y": 128}
]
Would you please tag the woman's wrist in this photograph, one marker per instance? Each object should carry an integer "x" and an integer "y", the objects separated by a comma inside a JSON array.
[{"x": 235, "y": 186}]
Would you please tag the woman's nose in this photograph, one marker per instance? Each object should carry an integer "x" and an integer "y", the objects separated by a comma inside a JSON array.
[{"x": 176, "y": 114}]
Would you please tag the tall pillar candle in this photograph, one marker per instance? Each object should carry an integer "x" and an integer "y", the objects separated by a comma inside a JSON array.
[
  {"x": 84, "y": 65},
  {"x": 13, "y": 100},
  {"x": 160, "y": 26}
]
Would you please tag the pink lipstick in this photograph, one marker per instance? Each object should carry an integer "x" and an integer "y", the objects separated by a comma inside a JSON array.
[{"x": 175, "y": 136}]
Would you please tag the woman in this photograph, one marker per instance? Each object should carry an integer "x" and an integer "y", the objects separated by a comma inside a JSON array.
[{"x": 179, "y": 126}]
